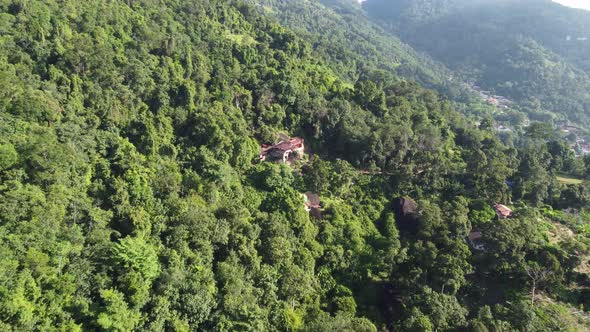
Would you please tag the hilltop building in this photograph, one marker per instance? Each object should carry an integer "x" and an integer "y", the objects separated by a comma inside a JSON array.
[
  {"x": 502, "y": 211},
  {"x": 475, "y": 237},
  {"x": 283, "y": 151}
]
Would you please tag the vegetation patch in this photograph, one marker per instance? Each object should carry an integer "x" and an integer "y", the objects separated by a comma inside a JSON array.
[
  {"x": 565, "y": 179},
  {"x": 240, "y": 39}
]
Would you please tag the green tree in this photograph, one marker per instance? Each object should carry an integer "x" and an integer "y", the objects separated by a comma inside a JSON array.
[{"x": 115, "y": 315}]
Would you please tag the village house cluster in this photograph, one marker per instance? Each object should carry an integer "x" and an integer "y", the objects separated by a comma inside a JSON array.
[
  {"x": 494, "y": 100},
  {"x": 498, "y": 101},
  {"x": 287, "y": 150},
  {"x": 578, "y": 143},
  {"x": 581, "y": 147},
  {"x": 501, "y": 128},
  {"x": 475, "y": 237}
]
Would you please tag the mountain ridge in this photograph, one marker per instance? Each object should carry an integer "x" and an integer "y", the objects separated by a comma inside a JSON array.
[{"x": 519, "y": 49}]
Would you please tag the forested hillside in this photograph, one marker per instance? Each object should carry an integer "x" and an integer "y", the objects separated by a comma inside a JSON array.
[
  {"x": 533, "y": 51},
  {"x": 341, "y": 33},
  {"x": 133, "y": 196}
]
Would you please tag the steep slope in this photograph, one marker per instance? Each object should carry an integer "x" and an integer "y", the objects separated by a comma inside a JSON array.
[
  {"x": 528, "y": 50},
  {"x": 340, "y": 31},
  {"x": 133, "y": 197},
  {"x": 130, "y": 193}
]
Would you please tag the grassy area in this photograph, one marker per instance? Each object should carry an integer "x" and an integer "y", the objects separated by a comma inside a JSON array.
[
  {"x": 559, "y": 233},
  {"x": 268, "y": 9},
  {"x": 240, "y": 39},
  {"x": 567, "y": 179}
]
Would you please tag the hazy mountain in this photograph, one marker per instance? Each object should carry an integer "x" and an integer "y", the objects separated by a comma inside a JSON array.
[
  {"x": 529, "y": 50},
  {"x": 341, "y": 32}
]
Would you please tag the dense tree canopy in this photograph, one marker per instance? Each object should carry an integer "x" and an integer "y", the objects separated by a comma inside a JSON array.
[{"x": 132, "y": 196}]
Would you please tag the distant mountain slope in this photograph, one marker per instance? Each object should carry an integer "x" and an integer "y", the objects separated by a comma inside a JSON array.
[
  {"x": 532, "y": 50},
  {"x": 342, "y": 33}
]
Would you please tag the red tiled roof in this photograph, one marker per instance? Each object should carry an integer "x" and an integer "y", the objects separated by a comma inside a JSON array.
[
  {"x": 502, "y": 211},
  {"x": 292, "y": 144}
]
